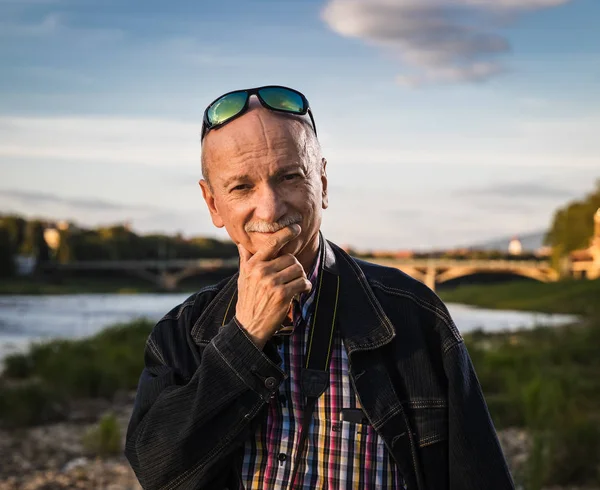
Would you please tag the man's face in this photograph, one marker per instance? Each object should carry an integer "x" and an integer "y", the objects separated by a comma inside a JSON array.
[{"x": 265, "y": 173}]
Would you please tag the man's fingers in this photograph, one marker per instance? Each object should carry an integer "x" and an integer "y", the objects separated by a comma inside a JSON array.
[
  {"x": 277, "y": 241},
  {"x": 297, "y": 286},
  {"x": 245, "y": 256},
  {"x": 289, "y": 274},
  {"x": 280, "y": 263}
]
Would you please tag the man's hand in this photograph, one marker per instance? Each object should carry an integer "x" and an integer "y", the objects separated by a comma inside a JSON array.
[{"x": 267, "y": 285}]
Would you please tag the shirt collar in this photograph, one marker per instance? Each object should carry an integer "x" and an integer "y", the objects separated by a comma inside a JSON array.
[{"x": 304, "y": 305}]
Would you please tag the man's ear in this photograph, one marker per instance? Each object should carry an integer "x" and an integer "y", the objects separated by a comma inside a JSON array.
[
  {"x": 210, "y": 202},
  {"x": 324, "y": 197}
]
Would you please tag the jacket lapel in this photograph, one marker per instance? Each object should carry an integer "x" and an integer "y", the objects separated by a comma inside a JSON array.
[{"x": 362, "y": 321}]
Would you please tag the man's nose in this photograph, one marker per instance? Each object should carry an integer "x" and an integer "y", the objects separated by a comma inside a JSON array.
[{"x": 270, "y": 207}]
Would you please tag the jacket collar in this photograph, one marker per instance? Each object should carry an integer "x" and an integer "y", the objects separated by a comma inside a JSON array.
[{"x": 361, "y": 319}]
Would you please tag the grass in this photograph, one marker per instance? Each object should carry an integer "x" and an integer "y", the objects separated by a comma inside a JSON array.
[
  {"x": 570, "y": 296},
  {"x": 546, "y": 380},
  {"x": 52, "y": 373},
  {"x": 104, "y": 439}
]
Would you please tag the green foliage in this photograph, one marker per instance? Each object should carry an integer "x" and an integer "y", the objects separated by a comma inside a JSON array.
[
  {"x": 18, "y": 366},
  {"x": 569, "y": 296},
  {"x": 115, "y": 242},
  {"x": 7, "y": 264},
  {"x": 15, "y": 226},
  {"x": 105, "y": 438},
  {"x": 546, "y": 380},
  {"x": 64, "y": 252},
  {"x": 574, "y": 457},
  {"x": 29, "y": 402},
  {"x": 34, "y": 243},
  {"x": 98, "y": 366},
  {"x": 573, "y": 225}
]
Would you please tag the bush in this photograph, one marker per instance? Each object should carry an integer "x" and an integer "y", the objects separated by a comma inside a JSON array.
[
  {"x": 95, "y": 367},
  {"x": 547, "y": 381},
  {"x": 105, "y": 438},
  {"x": 29, "y": 402},
  {"x": 18, "y": 366},
  {"x": 575, "y": 453}
]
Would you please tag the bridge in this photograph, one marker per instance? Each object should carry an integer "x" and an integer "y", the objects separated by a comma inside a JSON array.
[
  {"x": 437, "y": 271},
  {"x": 167, "y": 274}
]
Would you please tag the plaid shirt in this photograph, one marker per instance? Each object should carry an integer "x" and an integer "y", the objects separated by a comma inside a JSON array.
[{"x": 339, "y": 454}]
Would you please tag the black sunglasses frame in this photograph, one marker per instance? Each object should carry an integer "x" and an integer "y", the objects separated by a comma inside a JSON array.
[{"x": 207, "y": 125}]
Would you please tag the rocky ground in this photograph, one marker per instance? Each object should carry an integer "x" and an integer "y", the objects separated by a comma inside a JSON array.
[{"x": 52, "y": 457}]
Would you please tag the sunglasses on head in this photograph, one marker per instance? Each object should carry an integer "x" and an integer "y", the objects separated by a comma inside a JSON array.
[{"x": 273, "y": 97}]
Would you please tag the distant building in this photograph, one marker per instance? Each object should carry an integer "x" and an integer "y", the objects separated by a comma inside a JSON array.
[
  {"x": 52, "y": 237},
  {"x": 515, "y": 247},
  {"x": 544, "y": 251},
  {"x": 586, "y": 262},
  {"x": 65, "y": 225},
  {"x": 392, "y": 254},
  {"x": 24, "y": 265}
]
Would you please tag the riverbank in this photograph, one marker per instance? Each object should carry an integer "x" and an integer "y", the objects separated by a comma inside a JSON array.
[
  {"x": 39, "y": 286},
  {"x": 94, "y": 285},
  {"x": 569, "y": 296}
]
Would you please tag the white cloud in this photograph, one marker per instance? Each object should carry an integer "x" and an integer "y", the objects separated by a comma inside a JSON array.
[
  {"x": 532, "y": 142},
  {"x": 442, "y": 41},
  {"x": 108, "y": 139}
]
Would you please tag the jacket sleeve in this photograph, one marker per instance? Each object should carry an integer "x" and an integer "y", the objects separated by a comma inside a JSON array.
[
  {"x": 186, "y": 426},
  {"x": 476, "y": 459}
]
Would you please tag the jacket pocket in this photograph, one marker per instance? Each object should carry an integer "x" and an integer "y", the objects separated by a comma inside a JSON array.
[
  {"x": 429, "y": 420},
  {"x": 430, "y": 427}
]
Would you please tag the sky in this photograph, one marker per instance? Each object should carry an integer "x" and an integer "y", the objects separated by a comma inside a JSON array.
[{"x": 444, "y": 122}]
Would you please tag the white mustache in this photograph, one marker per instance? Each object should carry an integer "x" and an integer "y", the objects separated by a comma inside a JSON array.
[{"x": 266, "y": 227}]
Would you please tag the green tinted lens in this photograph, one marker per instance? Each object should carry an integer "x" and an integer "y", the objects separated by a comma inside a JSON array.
[
  {"x": 282, "y": 99},
  {"x": 226, "y": 107}
]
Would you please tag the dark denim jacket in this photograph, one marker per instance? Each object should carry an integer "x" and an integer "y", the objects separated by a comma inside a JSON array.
[{"x": 205, "y": 385}]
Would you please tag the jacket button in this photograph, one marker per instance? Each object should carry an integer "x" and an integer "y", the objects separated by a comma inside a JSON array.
[{"x": 270, "y": 383}]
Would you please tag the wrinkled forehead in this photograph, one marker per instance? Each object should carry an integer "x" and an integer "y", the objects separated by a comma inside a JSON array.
[
  {"x": 257, "y": 134},
  {"x": 259, "y": 123}
]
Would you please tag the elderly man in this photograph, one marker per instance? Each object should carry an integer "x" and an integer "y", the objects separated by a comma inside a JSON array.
[{"x": 309, "y": 368}]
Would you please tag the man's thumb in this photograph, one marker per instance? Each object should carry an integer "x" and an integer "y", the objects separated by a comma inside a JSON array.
[{"x": 244, "y": 254}]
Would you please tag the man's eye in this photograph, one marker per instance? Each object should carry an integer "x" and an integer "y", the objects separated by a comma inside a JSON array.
[
  {"x": 241, "y": 187},
  {"x": 291, "y": 176}
]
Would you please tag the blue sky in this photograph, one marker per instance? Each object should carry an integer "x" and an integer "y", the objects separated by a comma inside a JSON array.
[{"x": 445, "y": 122}]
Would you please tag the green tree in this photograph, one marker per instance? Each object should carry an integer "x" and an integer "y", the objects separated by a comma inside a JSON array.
[
  {"x": 64, "y": 253},
  {"x": 34, "y": 243},
  {"x": 573, "y": 225},
  {"x": 15, "y": 226},
  {"x": 7, "y": 265}
]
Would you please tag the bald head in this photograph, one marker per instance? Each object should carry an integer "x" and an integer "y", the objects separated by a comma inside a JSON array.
[
  {"x": 266, "y": 172},
  {"x": 260, "y": 131}
]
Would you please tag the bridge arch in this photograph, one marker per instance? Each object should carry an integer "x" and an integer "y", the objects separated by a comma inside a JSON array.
[
  {"x": 413, "y": 272},
  {"x": 536, "y": 274}
]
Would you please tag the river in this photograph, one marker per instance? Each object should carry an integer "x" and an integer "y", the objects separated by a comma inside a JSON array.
[{"x": 31, "y": 318}]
